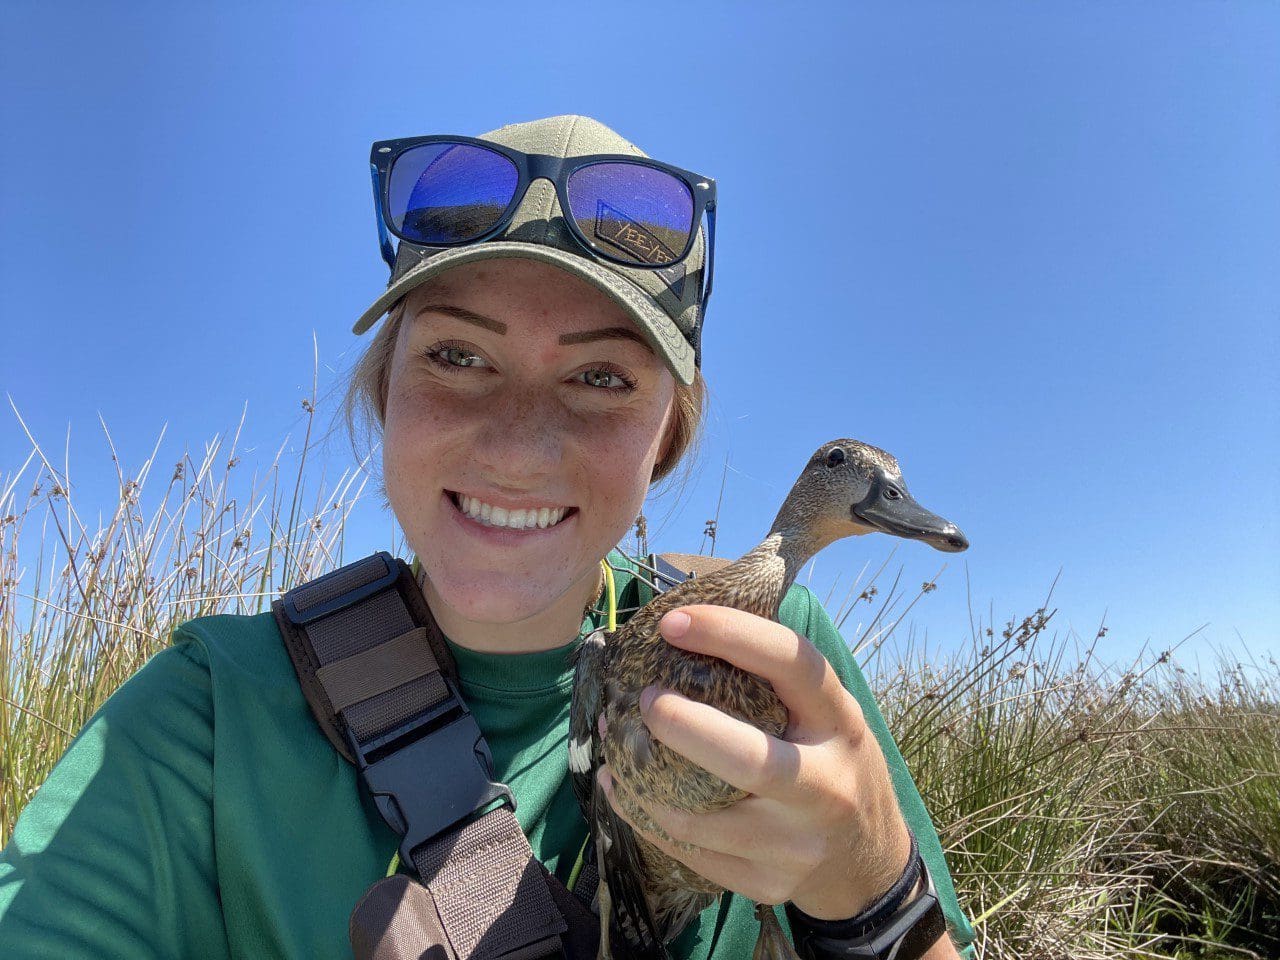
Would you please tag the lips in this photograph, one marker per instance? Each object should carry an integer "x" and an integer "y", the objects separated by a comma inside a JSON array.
[{"x": 455, "y": 498}]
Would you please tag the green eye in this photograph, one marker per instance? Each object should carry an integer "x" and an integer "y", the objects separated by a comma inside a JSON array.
[
  {"x": 605, "y": 379},
  {"x": 599, "y": 378},
  {"x": 458, "y": 357},
  {"x": 452, "y": 357}
]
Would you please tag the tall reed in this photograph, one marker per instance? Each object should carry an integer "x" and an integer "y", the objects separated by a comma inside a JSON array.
[{"x": 1089, "y": 810}]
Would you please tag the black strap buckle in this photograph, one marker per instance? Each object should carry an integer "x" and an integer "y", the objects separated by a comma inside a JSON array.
[
  {"x": 429, "y": 774},
  {"x": 383, "y": 581}
]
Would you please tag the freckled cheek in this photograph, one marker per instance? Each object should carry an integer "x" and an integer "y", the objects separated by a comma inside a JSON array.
[
  {"x": 617, "y": 458},
  {"x": 417, "y": 437},
  {"x": 419, "y": 422}
]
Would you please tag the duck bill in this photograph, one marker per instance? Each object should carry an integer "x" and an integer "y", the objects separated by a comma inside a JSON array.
[{"x": 904, "y": 517}]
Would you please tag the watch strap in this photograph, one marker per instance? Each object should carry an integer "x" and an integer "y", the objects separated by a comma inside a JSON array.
[{"x": 897, "y": 926}]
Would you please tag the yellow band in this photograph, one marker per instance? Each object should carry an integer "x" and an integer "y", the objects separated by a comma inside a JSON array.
[{"x": 612, "y": 601}]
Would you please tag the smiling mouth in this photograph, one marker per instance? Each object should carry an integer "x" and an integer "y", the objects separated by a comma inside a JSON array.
[{"x": 536, "y": 518}]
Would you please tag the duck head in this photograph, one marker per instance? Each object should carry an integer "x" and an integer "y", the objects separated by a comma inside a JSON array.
[{"x": 850, "y": 488}]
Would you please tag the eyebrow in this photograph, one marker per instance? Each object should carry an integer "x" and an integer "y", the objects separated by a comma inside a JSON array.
[{"x": 500, "y": 328}]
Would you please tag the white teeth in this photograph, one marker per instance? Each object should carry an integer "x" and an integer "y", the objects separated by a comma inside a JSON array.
[{"x": 523, "y": 519}]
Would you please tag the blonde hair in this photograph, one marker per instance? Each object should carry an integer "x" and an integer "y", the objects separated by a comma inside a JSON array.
[{"x": 365, "y": 404}]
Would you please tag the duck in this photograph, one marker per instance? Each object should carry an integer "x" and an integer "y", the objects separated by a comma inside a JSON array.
[{"x": 645, "y": 897}]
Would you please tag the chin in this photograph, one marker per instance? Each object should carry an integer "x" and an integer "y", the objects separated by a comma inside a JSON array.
[
  {"x": 494, "y": 607},
  {"x": 497, "y": 596}
]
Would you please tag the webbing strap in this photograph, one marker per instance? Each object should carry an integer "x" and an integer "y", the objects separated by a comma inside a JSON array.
[
  {"x": 380, "y": 668},
  {"x": 361, "y": 627},
  {"x": 483, "y": 912},
  {"x": 382, "y": 685}
]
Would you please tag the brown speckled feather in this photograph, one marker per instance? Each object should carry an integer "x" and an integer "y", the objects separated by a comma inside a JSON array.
[
  {"x": 636, "y": 656},
  {"x": 847, "y": 488}
]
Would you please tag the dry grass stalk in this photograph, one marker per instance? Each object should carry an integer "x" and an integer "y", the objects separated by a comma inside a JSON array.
[{"x": 1087, "y": 811}]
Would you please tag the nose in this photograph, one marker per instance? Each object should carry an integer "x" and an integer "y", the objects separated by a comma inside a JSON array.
[{"x": 521, "y": 439}]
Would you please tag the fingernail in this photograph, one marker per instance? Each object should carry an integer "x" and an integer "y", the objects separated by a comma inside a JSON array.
[
  {"x": 605, "y": 780},
  {"x": 601, "y": 725},
  {"x": 646, "y": 698},
  {"x": 674, "y": 625}
]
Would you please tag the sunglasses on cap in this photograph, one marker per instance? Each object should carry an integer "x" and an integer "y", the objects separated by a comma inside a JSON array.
[{"x": 447, "y": 191}]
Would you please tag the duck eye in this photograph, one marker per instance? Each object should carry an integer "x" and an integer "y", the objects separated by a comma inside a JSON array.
[
  {"x": 891, "y": 493},
  {"x": 836, "y": 456}
]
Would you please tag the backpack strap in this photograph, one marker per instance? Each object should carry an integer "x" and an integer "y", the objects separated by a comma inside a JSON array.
[{"x": 380, "y": 681}]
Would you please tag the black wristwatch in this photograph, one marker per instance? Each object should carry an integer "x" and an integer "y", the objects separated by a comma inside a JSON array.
[{"x": 901, "y": 925}]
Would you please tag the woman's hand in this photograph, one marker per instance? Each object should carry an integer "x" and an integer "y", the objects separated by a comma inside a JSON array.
[{"x": 822, "y": 827}]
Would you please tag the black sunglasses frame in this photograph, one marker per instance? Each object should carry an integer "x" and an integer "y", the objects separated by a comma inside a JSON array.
[{"x": 534, "y": 166}]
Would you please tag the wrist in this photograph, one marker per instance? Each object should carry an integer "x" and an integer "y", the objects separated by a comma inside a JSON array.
[
  {"x": 875, "y": 909},
  {"x": 904, "y": 923},
  {"x": 880, "y": 871}
]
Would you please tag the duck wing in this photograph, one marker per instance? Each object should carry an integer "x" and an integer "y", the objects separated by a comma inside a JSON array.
[
  {"x": 584, "y": 711},
  {"x": 633, "y": 934}
]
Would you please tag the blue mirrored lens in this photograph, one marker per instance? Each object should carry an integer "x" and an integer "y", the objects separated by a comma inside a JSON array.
[
  {"x": 632, "y": 212},
  {"x": 443, "y": 193}
]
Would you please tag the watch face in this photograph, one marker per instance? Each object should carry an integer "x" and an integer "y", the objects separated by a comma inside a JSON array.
[{"x": 910, "y": 933}]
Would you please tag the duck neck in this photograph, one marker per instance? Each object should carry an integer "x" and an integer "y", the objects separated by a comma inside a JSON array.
[{"x": 794, "y": 544}]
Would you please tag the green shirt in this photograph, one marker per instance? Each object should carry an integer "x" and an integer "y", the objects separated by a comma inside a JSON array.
[{"x": 202, "y": 813}]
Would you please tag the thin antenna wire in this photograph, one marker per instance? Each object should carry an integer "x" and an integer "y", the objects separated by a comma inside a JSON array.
[
  {"x": 642, "y": 535},
  {"x": 713, "y": 525}
]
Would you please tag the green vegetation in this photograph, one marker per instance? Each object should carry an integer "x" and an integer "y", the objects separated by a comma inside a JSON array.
[{"x": 1088, "y": 810}]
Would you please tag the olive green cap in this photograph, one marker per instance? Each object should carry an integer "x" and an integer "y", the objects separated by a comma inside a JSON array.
[{"x": 663, "y": 303}]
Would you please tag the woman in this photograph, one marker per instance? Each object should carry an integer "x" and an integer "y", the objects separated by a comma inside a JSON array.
[{"x": 536, "y": 373}]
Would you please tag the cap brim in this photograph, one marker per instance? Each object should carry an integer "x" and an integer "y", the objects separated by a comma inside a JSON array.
[{"x": 663, "y": 335}]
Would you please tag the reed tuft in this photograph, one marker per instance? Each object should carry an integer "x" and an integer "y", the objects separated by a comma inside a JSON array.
[{"x": 1089, "y": 810}]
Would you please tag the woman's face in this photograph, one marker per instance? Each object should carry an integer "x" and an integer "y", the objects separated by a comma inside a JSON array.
[{"x": 517, "y": 387}]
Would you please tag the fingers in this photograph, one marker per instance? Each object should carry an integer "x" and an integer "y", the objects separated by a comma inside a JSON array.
[
  {"x": 705, "y": 842},
  {"x": 800, "y": 675},
  {"x": 739, "y": 754}
]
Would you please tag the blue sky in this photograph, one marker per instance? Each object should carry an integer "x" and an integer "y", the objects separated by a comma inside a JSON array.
[{"x": 1031, "y": 249}]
